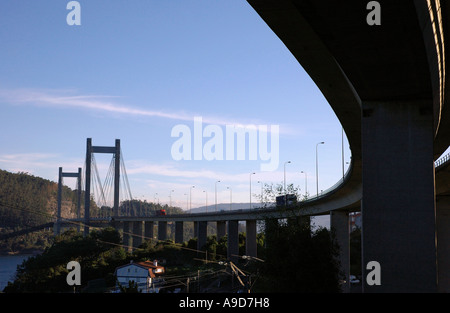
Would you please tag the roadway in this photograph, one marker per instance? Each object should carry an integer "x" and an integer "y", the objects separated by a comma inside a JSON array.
[{"x": 386, "y": 85}]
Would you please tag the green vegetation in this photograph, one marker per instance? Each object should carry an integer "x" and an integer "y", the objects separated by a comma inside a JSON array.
[
  {"x": 298, "y": 259},
  {"x": 27, "y": 201},
  {"x": 290, "y": 259},
  {"x": 291, "y": 256},
  {"x": 97, "y": 254}
]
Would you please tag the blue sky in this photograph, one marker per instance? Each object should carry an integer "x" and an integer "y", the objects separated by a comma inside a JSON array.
[{"x": 134, "y": 70}]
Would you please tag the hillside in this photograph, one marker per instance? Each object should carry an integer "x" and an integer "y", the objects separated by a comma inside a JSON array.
[{"x": 26, "y": 201}]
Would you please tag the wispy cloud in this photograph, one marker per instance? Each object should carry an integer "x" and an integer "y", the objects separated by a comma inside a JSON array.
[
  {"x": 170, "y": 170},
  {"x": 173, "y": 170},
  {"x": 37, "y": 163},
  {"x": 68, "y": 99}
]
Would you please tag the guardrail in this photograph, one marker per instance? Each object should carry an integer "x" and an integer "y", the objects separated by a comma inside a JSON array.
[
  {"x": 333, "y": 188},
  {"x": 442, "y": 160},
  {"x": 321, "y": 195}
]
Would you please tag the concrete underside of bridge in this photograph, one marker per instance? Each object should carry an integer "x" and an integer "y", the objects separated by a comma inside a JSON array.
[
  {"x": 398, "y": 214},
  {"x": 386, "y": 85}
]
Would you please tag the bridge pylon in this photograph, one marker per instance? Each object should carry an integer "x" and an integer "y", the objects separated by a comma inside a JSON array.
[
  {"x": 115, "y": 151},
  {"x": 62, "y": 174}
]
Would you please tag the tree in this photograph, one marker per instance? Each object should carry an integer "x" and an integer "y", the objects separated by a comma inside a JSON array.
[
  {"x": 131, "y": 288},
  {"x": 98, "y": 255},
  {"x": 298, "y": 259}
]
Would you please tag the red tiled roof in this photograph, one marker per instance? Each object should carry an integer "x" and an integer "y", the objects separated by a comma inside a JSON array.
[{"x": 150, "y": 266}]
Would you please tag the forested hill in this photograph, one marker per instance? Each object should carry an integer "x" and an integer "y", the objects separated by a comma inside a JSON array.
[{"x": 27, "y": 200}]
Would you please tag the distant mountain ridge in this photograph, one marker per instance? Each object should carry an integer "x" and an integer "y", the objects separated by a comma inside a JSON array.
[
  {"x": 225, "y": 207},
  {"x": 319, "y": 221}
]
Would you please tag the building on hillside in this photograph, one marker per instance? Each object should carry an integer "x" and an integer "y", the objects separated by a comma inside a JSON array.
[{"x": 147, "y": 275}]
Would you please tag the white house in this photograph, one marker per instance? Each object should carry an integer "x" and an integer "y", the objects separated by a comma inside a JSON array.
[{"x": 147, "y": 275}]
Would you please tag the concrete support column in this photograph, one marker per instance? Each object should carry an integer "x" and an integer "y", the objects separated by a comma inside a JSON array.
[
  {"x": 340, "y": 227},
  {"x": 221, "y": 229},
  {"x": 127, "y": 240},
  {"x": 443, "y": 242},
  {"x": 148, "y": 230},
  {"x": 162, "y": 230},
  {"x": 250, "y": 241},
  {"x": 271, "y": 229},
  {"x": 195, "y": 230},
  {"x": 178, "y": 232},
  {"x": 233, "y": 240},
  {"x": 138, "y": 233},
  {"x": 202, "y": 234},
  {"x": 398, "y": 202}
]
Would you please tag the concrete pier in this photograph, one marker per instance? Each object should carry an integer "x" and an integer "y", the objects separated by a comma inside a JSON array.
[
  {"x": 179, "y": 232},
  {"x": 162, "y": 230},
  {"x": 398, "y": 202},
  {"x": 250, "y": 242},
  {"x": 233, "y": 240},
  {"x": 340, "y": 227}
]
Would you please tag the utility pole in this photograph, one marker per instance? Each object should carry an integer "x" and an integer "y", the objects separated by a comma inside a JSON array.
[{"x": 198, "y": 280}]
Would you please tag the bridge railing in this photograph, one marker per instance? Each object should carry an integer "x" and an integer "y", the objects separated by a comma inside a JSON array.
[
  {"x": 442, "y": 161},
  {"x": 335, "y": 187}
]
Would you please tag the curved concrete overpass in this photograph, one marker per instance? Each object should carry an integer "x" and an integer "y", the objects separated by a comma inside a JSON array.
[
  {"x": 309, "y": 45},
  {"x": 387, "y": 86},
  {"x": 386, "y": 83}
]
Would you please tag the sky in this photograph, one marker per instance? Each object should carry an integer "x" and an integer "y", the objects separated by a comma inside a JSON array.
[{"x": 144, "y": 71}]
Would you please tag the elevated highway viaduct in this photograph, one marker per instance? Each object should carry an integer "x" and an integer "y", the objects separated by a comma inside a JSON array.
[{"x": 387, "y": 85}]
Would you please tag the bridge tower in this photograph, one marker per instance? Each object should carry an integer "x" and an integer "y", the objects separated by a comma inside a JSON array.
[
  {"x": 90, "y": 149},
  {"x": 62, "y": 174}
]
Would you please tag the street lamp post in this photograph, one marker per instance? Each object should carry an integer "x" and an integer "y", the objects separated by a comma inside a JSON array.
[
  {"x": 285, "y": 191},
  {"x": 187, "y": 201},
  {"x": 190, "y": 199},
  {"x": 251, "y": 189},
  {"x": 306, "y": 184},
  {"x": 206, "y": 200},
  {"x": 260, "y": 182},
  {"x": 170, "y": 197},
  {"x": 231, "y": 196},
  {"x": 317, "y": 169},
  {"x": 215, "y": 186}
]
